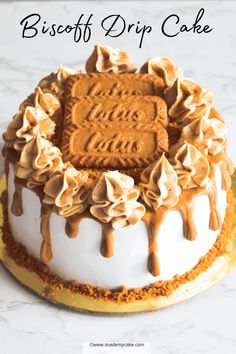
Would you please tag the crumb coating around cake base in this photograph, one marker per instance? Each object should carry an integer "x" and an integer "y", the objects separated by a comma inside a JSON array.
[{"x": 18, "y": 253}]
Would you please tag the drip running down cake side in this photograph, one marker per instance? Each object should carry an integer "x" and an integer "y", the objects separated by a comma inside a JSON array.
[{"x": 122, "y": 176}]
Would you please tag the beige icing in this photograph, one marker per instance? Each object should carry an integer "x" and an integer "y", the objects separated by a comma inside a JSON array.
[
  {"x": 66, "y": 191},
  {"x": 54, "y": 83},
  {"x": 46, "y": 248},
  {"x": 159, "y": 184},
  {"x": 39, "y": 158},
  {"x": 164, "y": 68},
  {"x": 153, "y": 221},
  {"x": 106, "y": 59},
  {"x": 191, "y": 167},
  {"x": 47, "y": 102},
  {"x": 187, "y": 100},
  {"x": 114, "y": 199},
  {"x": 25, "y": 125},
  {"x": 16, "y": 206},
  {"x": 207, "y": 134}
]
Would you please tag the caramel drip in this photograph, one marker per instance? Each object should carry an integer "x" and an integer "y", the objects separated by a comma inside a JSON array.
[
  {"x": 16, "y": 206},
  {"x": 10, "y": 155},
  {"x": 189, "y": 228},
  {"x": 4, "y": 194},
  {"x": 153, "y": 221},
  {"x": 215, "y": 220},
  {"x": 6, "y": 168},
  {"x": 72, "y": 230},
  {"x": 72, "y": 224},
  {"x": 46, "y": 251},
  {"x": 226, "y": 171},
  {"x": 107, "y": 247},
  {"x": 6, "y": 164},
  {"x": 226, "y": 179},
  {"x": 186, "y": 207}
]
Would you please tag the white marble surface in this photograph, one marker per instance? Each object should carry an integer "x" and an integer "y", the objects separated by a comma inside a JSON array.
[{"x": 205, "y": 324}]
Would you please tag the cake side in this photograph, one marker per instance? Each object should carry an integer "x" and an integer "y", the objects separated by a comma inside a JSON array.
[
  {"x": 184, "y": 180},
  {"x": 79, "y": 259}
]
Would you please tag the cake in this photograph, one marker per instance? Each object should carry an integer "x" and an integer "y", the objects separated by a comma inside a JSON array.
[{"x": 117, "y": 182}]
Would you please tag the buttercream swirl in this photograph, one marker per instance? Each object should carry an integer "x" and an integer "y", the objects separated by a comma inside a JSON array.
[
  {"x": 45, "y": 101},
  {"x": 66, "y": 191},
  {"x": 106, "y": 59},
  {"x": 54, "y": 83},
  {"x": 191, "y": 166},
  {"x": 187, "y": 100},
  {"x": 159, "y": 184},
  {"x": 27, "y": 124},
  {"x": 209, "y": 135},
  {"x": 114, "y": 199},
  {"x": 39, "y": 159},
  {"x": 164, "y": 68}
]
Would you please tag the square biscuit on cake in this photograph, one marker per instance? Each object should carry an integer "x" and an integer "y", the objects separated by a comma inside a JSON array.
[
  {"x": 114, "y": 85},
  {"x": 119, "y": 132}
]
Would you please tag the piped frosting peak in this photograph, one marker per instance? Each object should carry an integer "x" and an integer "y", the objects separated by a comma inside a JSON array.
[
  {"x": 187, "y": 101},
  {"x": 66, "y": 191},
  {"x": 39, "y": 159},
  {"x": 106, "y": 59},
  {"x": 164, "y": 68},
  {"x": 63, "y": 73},
  {"x": 47, "y": 102},
  {"x": 27, "y": 124},
  {"x": 54, "y": 83},
  {"x": 191, "y": 167},
  {"x": 207, "y": 134},
  {"x": 159, "y": 184},
  {"x": 114, "y": 199}
]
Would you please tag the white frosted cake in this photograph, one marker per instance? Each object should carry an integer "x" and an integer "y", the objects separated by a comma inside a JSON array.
[{"x": 116, "y": 181}]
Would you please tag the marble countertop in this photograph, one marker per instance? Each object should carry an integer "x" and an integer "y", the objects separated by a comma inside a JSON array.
[{"x": 205, "y": 324}]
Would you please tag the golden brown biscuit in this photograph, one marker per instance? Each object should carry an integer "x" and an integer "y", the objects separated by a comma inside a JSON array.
[
  {"x": 114, "y": 85},
  {"x": 119, "y": 132}
]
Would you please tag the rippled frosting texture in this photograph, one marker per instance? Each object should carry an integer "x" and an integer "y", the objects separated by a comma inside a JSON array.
[
  {"x": 159, "y": 185},
  {"x": 38, "y": 160},
  {"x": 47, "y": 102},
  {"x": 27, "y": 124},
  {"x": 106, "y": 59},
  {"x": 207, "y": 134},
  {"x": 66, "y": 191},
  {"x": 44, "y": 101},
  {"x": 191, "y": 167},
  {"x": 114, "y": 199},
  {"x": 54, "y": 83},
  {"x": 187, "y": 101},
  {"x": 164, "y": 68}
]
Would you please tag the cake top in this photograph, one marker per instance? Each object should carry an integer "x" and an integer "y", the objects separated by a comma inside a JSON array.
[
  {"x": 115, "y": 132},
  {"x": 116, "y": 142}
]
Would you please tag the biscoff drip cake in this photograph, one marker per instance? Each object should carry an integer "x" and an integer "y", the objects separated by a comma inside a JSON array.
[{"x": 118, "y": 183}]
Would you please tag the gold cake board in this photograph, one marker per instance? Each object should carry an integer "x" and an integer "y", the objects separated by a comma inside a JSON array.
[{"x": 81, "y": 302}]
